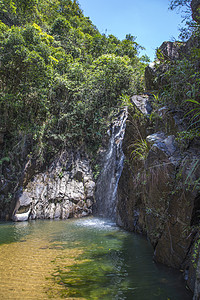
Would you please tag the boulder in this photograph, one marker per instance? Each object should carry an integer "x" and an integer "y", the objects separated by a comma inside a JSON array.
[
  {"x": 21, "y": 217},
  {"x": 160, "y": 144},
  {"x": 23, "y": 208},
  {"x": 142, "y": 102}
]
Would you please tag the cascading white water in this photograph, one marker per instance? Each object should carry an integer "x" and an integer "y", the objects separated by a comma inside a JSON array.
[{"x": 107, "y": 183}]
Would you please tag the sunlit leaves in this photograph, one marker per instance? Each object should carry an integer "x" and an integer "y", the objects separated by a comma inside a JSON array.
[{"x": 59, "y": 66}]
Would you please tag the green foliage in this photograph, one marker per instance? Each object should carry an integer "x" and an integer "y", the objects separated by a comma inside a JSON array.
[
  {"x": 4, "y": 159},
  {"x": 26, "y": 73},
  {"x": 188, "y": 27},
  {"x": 181, "y": 80},
  {"x": 185, "y": 137},
  {"x": 61, "y": 79},
  {"x": 189, "y": 180},
  {"x": 195, "y": 253},
  {"x": 61, "y": 26},
  {"x": 140, "y": 150},
  {"x": 195, "y": 119},
  {"x": 180, "y": 3},
  {"x": 125, "y": 101},
  {"x": 187, "y": 177}
]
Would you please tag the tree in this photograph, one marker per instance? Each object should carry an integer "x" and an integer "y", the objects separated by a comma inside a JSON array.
[
  {"x": 180, "y": 4},
  {"x": 184, "y": 6}
]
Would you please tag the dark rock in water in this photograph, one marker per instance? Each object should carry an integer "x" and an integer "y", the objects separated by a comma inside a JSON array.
[{"x": 112, "y": 165}]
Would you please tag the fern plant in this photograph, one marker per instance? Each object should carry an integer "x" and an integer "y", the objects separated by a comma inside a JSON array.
[
  {"x": 196, "y": 113},
  {"x": 140, "y": 151}
]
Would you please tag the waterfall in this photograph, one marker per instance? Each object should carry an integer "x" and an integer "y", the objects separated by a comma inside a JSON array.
[{"x": 112, "y": 165}]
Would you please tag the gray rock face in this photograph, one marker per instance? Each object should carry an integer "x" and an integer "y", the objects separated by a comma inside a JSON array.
[
  {"x": 142, "y": 103},
  {"x": 170, "y": 50},
  {"x": 160, "y": 143},
  {"x": 65, "y": 190}
]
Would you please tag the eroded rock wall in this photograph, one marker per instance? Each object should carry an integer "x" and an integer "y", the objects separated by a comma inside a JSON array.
[{"x": 65, "y": 189}]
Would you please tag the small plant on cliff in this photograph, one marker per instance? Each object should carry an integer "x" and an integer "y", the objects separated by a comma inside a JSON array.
[
  {"x": 193, "y": 131},
  {"x": 125, "y": 101},
  {"x": 195, "y": 253},
  {"x": 140, "y": 150},
  {"x": 187, "y": 178},
  {"x": 195, "y": 120}
]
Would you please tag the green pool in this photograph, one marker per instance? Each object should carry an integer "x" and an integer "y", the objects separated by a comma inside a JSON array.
[{"x": 86, "y": 258}]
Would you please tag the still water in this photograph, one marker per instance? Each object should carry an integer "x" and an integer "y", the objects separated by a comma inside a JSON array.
[{"x": 81, "y": 259}]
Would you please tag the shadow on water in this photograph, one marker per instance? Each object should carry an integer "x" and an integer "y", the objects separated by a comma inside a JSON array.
[{"x": 118, "y": 265}]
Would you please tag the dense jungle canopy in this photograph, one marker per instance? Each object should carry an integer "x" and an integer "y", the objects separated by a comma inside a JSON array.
[{"x": 60, "y": 77}]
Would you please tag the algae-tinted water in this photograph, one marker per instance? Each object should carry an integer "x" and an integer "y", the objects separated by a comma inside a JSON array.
[{"x": 81, "y": 259}]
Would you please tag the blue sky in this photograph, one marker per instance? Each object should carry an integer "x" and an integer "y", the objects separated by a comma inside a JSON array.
[{"x": 149, "y": 20}]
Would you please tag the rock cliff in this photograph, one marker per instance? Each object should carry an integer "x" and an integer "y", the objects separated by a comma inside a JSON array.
[
  {"x": 157, "y": 193},
  {"x": 65, "y": 189},
  {"x": 159, "y": 190}
]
